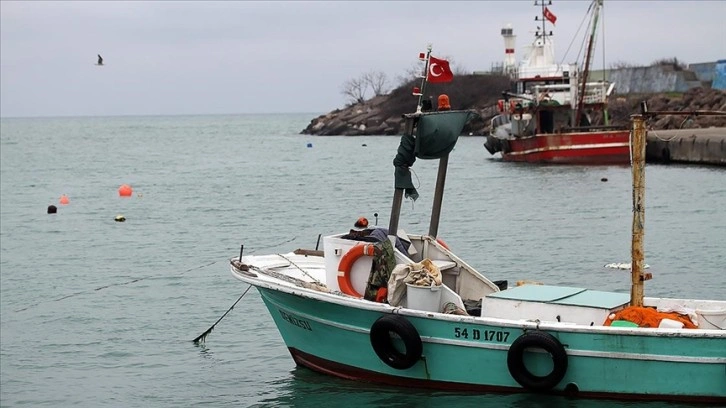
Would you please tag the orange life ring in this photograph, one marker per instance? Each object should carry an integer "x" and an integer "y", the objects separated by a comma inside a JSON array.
[
  {"x": 346, "y": 265},
  {"x": 442, "y": 243}
]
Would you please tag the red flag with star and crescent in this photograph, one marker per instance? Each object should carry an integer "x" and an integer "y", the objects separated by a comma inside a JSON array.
[
  {"x": 439, "y": 71},
  {"x": 549, "y": 15}
]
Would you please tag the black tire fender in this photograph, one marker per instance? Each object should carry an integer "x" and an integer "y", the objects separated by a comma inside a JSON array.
[
  {"x": 541, "y": 340},
  {"x": 385, "y": 349}
]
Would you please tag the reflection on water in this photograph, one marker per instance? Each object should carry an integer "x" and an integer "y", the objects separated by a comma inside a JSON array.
[{"x": 306, "y": 388}]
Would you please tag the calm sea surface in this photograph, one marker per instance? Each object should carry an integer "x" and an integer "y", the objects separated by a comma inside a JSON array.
[{"x": 100, "y": 313}]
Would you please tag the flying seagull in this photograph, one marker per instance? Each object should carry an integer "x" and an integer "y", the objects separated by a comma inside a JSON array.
[{"x": 100, "y": 60}]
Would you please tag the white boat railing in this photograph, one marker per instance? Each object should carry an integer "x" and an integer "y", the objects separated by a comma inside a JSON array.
[{"x": 595, "y": 92}]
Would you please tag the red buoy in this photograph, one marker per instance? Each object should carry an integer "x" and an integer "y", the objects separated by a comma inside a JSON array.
[
  {"x": 64, "y": 199},
  {"x": 125, "y": 190}
]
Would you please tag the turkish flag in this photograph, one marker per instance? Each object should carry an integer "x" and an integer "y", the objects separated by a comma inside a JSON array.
[
  {"x": 549, "y": 16},
  {"x": 439, "y": 71}
]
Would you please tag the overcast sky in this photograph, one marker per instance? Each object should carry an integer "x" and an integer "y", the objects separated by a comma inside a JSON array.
[{"x": 266, "y": 57}]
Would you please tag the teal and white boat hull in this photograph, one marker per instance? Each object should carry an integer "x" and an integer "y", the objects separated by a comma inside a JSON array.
[{"x": 331, "y": 333}]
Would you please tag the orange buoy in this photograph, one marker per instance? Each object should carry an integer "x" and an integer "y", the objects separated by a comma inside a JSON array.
[
  {"x": 125, "y": 190},
  {"x": 64, "y": 199}
]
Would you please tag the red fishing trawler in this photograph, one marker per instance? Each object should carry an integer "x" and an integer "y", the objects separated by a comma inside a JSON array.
[{"x": 553, "y": 114}]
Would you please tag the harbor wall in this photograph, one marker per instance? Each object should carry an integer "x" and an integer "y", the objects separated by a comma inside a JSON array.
[
  {"x": 665, "y": 78},
  {"x": 719, "y": 80},
  {"x": 698, "y": 146},
  {"x": 660, "y": 78}
]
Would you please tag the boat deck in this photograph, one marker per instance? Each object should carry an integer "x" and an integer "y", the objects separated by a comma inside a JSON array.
[
  {"x": 563, "y": 295},
  {"x": 554, "y": 303}
]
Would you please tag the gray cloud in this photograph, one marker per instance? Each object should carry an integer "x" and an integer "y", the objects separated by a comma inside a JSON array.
[{"x": 237, "y": 57}]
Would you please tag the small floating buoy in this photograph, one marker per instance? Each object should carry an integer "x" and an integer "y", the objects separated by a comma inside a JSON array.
[
  {"x": 604, "y": 179},
  {"x": 125, "y": 190},
  {"x": 364, "y": 145},
  {"x": 52, "y": 209},
  {"x": 120, "y": 218},
  {"x": 64, "y": 199},
  {"x": 310, "y": 145}
]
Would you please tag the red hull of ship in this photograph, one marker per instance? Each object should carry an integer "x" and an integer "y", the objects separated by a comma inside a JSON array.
[{"x": 608, "y": 147}]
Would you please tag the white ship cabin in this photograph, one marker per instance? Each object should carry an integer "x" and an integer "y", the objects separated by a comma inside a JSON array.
[{"x": 547, "y": 91}]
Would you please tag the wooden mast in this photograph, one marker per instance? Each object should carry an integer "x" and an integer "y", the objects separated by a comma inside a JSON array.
[{"x": 637, "y": 147}]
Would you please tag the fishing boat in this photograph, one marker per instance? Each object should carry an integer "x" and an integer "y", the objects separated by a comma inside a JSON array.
[
  {"x": 552, "y": 114},
  {"x": 382, "y": 306}
]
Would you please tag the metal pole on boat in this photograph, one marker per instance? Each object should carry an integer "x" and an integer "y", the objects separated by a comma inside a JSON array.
[
  {"x": 410, "y": 125},
  {"x": 438, "y": 196},
  {"x": 424, "y": 78},
  {"x": 395, "y": 211},
  {"x": 637, "y": 147}
]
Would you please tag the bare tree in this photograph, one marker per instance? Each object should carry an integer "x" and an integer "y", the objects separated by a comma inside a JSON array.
[
  {"x": 675, "y": 62},
  {"x": 456, "y": 68},
  {"x": 621, "y": 64},
  {"x": 414, "y": 72},
  {"x": 355, "y": 89},
  {"x": 378, "y": 82}
]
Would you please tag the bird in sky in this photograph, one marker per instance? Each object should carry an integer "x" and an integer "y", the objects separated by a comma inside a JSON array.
[{"x": 100, "y": 60}]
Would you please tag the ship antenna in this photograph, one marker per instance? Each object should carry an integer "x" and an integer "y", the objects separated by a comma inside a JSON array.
[
  {"x": 422, "y": 92},
  {"x": 543, "y": 4}
]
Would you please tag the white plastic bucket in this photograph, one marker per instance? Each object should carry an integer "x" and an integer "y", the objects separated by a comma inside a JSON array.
[
  {"x": 426, "y": 298},
  {"x": 711, "y": 319}
]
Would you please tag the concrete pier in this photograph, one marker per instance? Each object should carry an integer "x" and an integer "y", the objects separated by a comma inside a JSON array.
[{"x": 697, "y": 146}]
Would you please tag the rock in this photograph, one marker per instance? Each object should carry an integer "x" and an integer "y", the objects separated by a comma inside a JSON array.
[{"x": 382, "y": 115}]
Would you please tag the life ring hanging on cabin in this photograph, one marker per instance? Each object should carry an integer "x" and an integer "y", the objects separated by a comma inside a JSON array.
[
  {"x": 546, "y": 342},
  {"x": 383, "y": 344},
  {"x": 346, "y": 265}
]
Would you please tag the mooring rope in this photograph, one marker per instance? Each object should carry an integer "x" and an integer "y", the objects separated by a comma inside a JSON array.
[
  {"x": 203, "y": 336},
  {"x": 141, "y": 279},
  {"x": 112, "y": 285},
  {"x": 662, "y": 139}
]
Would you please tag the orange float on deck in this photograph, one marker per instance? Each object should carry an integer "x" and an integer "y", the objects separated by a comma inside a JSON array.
[
  {"x": 125, "y": 190},
  {"x": 442, "y": 243}
]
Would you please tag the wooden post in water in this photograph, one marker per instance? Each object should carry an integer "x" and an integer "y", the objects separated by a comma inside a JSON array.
[{"x": 637, "y": 147}]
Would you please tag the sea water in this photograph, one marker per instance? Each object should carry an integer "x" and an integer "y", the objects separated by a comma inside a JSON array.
[{"x": 98, "y": 313}]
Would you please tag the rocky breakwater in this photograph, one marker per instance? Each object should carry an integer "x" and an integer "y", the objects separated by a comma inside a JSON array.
[
  {"x": 694, "y": 99},
  {"x": 382, "y": 115}
]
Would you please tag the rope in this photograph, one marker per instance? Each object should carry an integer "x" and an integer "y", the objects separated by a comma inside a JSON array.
[
  {"x": 139, "y": 279},
  {"x": 301, "y": 269},
  {"x": 203, "y": 336},
  {"x": 111, "y": 285},
  {"x": 573, "y": 41},
  {"x": 664, "y": 139}
]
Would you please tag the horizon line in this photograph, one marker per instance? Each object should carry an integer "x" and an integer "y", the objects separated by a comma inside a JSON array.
[{"x": 155, "y": 114}]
